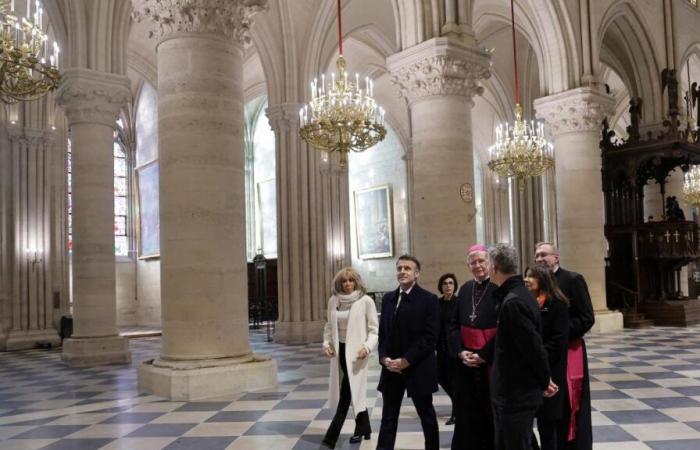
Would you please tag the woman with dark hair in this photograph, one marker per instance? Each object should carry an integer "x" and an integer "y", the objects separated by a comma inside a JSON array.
[
  {"x": 555, "y": 335},
  {"x": 350, "y": 335},
  {"x": 447, "y": 363}
]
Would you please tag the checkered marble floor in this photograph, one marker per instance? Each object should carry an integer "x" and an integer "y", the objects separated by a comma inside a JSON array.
[{"x": 645, "y": 389}]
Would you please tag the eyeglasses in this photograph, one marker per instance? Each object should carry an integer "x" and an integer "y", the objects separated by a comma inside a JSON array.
[
  {"x": 542, "y": 254},
  {"x": 478, "y": 262}
]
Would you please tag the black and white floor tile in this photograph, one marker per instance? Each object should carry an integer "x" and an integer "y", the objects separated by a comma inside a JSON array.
[{"x": 645, "y": 389}]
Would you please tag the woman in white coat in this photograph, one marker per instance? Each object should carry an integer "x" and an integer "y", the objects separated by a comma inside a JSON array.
[{"x": 349, "y": 337}]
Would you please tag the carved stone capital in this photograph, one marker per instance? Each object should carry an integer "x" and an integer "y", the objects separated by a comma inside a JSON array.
[
  {"x": 30, "y": 137},
  {"x": 440, "y": 66},
  {"x": 575, "y": 110},
  {"x": 284, "y": 116},
  {"x": 90, "y": 96},
  {"x": 229, "y": 18}
]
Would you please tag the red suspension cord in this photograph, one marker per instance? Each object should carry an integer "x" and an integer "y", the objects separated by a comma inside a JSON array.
[
  {"x": 340, "y": 31},
  {"x": 515, "y": 56}
]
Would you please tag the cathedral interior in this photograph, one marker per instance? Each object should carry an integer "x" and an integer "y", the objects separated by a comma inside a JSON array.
[{"x": 168, "y": 237}]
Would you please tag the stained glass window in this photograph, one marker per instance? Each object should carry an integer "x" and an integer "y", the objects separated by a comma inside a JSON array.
[
  {"x": 121, "y": 192},
  {"x": 69, "y": 166}
]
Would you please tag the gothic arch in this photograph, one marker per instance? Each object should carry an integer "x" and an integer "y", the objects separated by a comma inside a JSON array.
[
  {"x": 549, "y": 43},
  {"x": 624, "y": 42},
  {"x": 93, "y": 34}
]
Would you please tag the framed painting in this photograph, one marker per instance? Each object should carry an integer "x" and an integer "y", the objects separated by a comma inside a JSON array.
[
  {"x": 148, "y": 210},
  {"x": 373, "y": 222}
]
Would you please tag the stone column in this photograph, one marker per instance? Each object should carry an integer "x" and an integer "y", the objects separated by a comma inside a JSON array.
[
  {"x": 574, "y": 118},
  {"x": 439, "y": 78},
  {"x": 312, "y": 209},
  {"x": 31, "y": 308},
  {"x": 206, "y": 350},
  {"x": 92, "y": 101}
]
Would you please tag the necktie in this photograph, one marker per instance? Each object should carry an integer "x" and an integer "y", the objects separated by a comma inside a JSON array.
[{"x": 402, "y": 296}]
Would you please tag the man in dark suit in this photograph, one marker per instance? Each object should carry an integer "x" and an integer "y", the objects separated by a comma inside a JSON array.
[
  {"x": 574, "y": 431},
  {"x": 520, "y": 368},
  {"x": 408, "y": 332}
]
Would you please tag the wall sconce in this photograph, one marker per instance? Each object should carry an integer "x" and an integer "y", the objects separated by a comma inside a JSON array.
[{"x": 34, "y": 256}]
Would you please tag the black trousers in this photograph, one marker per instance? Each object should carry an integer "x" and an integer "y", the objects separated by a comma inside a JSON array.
[
  {"x": 547, "y": 429},
  {"x": 513, "y": 428},
  {"x": 392, "y": 396},
  {"x": 473, "y": 413},
  {"x": 447, "y": 376},
  {"x": 343, "y": 403}
]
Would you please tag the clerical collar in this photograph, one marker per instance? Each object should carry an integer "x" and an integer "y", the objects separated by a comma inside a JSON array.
[{"x": 486, "y": 280}]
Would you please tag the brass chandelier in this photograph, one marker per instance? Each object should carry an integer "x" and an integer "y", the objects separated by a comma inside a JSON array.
[
  {"x": 521, "y": 151},
  {"x": 341, "y": 116},
  {"x": 25, "y": 73}
]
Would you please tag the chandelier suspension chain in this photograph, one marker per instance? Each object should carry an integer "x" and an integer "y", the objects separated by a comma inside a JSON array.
[
  {"x": 515, "y": 53},
  {"x": 340, "y": 30}
]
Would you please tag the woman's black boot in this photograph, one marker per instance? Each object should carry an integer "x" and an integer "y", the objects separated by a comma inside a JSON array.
[{"x": 362, "y": 428}]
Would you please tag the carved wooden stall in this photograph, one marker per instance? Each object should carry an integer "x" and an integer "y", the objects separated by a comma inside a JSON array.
[{"x": 645, "y": 257}]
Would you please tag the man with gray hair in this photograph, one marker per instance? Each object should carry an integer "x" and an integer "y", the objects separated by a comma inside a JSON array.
[
  {"x": 520, "y": 368},
  {"x": 574, "y": 430}
]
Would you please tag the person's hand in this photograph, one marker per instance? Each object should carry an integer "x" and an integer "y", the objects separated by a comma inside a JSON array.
[
  {"x": 329, "y": 351},
  {"x": 463, "y": 356},
  {"x": 401, "y": 364},
  {"x": 362, "y": 354},
  {"x": 474, "y": 360},
  {"x": 552, "y": 389},
  {"x": 395, "y": 365}
]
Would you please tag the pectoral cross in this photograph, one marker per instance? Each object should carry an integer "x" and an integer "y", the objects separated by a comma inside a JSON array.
[
  {"x": 472, "y": 316},
  {"x": 668, "y": 236},
  {"x": 676, "y": 234}
]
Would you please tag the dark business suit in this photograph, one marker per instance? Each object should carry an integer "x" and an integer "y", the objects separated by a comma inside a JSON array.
[
  {"x": 409, "y": 332},
  {"x": 581, "y": 319}
]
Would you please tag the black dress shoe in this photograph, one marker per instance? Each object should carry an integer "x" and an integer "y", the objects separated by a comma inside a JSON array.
[
  {"x": 358, "y": 438},
  {"x": 450, "y": 421},
  {"x": 328, "y": 443}
]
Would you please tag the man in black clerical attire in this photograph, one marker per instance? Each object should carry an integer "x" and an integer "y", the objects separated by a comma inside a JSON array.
[
  {"x": 408, "y": 332},
  {"x": 472, "y": 326},
  {"x": 520, "y": 368},
  {"x": 575, "y": 431}
]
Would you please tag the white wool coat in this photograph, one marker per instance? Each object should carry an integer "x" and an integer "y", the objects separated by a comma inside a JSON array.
[{"x": 362, "y": 331}]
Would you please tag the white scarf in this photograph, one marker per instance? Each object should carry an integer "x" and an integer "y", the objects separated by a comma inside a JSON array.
[{"x": 346, "y": 300}]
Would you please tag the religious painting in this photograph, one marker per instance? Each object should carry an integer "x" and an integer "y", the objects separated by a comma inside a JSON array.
[
  {"x": 147, "y": 179},
  {"x": 373, "y": 222}
]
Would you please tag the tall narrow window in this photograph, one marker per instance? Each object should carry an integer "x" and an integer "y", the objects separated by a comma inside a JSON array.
[
  {"x": 69, "y": 188},
  {"x": 121, "y": 204}
]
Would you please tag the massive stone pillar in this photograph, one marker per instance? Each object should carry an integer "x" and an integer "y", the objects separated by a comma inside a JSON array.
[
  {"x": 574, "y": 118},
  {"x": 92, "y": 101},
  {"x": 439, "y": 78},
  {"x": 29, "y": 167},
  {"x": 206, "y": 349},
  {"x": 312, "y": 214}
]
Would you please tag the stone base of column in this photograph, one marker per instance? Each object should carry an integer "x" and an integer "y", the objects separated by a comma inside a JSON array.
[
  {"x": 26, "y": 339},
  {"x": 607, "y": 321},
  {"x": 294, "y": 333},
  {"x": 81, "y": 352},
  {"x": 194, "y": 380}
]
